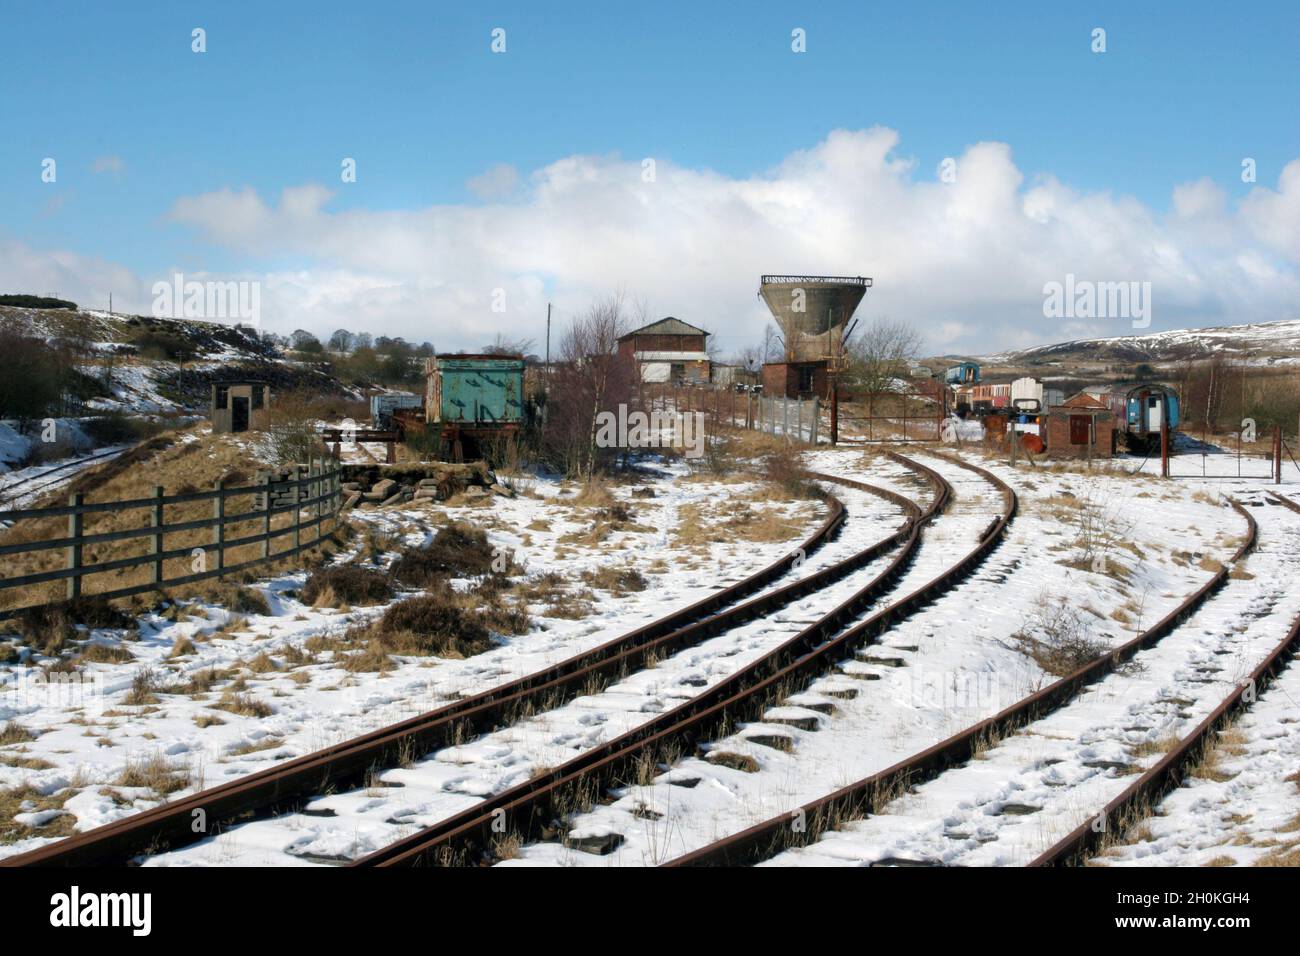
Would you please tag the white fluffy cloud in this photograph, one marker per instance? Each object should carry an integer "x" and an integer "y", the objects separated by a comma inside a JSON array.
[{"x": 966, "y": 261}]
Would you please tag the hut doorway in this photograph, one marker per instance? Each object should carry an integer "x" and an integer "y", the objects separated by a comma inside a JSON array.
[{"x": 238, "y": 413}]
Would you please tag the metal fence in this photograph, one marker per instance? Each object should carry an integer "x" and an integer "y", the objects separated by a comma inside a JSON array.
[
  {"x": 798, "y": 419},
  {"x": 317, "y": 491}
]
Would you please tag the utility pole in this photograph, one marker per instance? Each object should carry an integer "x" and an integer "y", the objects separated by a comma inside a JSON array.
[
  {"x": 548, "y": 341},
  {"x": 110, "y": 303}
]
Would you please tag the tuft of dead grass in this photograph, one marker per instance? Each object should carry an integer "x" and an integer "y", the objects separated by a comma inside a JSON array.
[{"x": 345, "y": 585}]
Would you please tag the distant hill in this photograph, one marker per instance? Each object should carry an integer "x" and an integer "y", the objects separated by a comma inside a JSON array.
[
  {"x": 148, "y": 364},
  {"x": 1261, "y": 343}
]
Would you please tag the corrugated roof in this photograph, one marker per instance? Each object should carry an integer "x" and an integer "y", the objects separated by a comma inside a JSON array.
[{"x": 666, "y": 326}]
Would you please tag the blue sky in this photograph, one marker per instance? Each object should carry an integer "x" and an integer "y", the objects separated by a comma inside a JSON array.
[{"x": 413, "y": 92}]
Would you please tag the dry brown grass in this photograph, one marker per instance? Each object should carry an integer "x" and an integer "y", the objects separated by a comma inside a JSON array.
[
  {"x": 340, "y": 585},
  {"x": 104, "y": 654},
  {"x": 23, "y": 799},
  {"x": 15, "y": 733},
  {"x": 155, "y": 773},
  {"x": 243, "y": 705},
  {"x": 617, "y": 580},
  {"x": 178, "y": 468},
  {"x": 731, "y": 521}
]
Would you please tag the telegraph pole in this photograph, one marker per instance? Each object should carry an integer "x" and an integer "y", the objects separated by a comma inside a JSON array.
[{"x": 548, "y": 340}]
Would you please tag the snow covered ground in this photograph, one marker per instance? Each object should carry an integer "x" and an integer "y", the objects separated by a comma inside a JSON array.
[
  {"x": 22, "y": 487},
  {"x": 1242, "y": 809},
  {"x": 348, "y": 825},
  {"x": 1036, "y": 786},
  {"x": 947, "y": 667},
  {"x": 86, "y": 737},
  {"x": 955, "y": 662}
]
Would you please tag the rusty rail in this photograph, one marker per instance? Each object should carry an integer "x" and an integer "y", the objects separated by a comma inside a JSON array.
[
  {"x": 288, "y": 785},
  {"x": 530, "y": 808},
  {"x": 1165, "y": 774},
  {"x": 856, "y": 801}
]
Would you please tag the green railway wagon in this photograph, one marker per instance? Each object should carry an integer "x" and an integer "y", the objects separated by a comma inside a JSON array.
[{"x": 475, "y": 391}]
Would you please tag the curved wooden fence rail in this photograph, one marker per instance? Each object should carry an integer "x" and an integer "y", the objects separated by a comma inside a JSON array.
[{"x": 317, "y": 491}]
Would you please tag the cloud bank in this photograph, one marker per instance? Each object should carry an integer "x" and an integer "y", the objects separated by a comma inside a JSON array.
[{"x": 966, "y": 260}]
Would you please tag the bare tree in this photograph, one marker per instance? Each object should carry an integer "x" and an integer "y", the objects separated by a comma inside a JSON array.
[
  {"x": 881, "y": 352},
  {"x": 589, "y": 377},
  {"x": 502, "y": 345}
]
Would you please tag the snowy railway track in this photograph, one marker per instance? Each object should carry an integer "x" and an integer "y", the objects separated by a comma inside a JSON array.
[
  {"x": 289, "y": 785},
  {"x": 968, "y": 806},
  {"x": 21, "y": 490},
  {"x": 1123, "y": 811},
  {"x": 531, "y": 809}
]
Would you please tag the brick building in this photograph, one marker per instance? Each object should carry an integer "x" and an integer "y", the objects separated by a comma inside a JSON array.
[
  {"x": 669, "y": 350},
  {"x": 1081, "y": 427},
  {"x": 796, "y": 379}
]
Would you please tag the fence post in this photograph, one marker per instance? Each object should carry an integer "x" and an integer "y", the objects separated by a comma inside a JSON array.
[
  {"x": 1277, "y": 454},
  {"x": 297, "y": 506},
  {"x": 75, "y": 524},
  {"x": 799, "y": 427},
  {"x": 219, "y": 529},
  {"x": 835, "y": 413},
  {"x": 816, "y": 419},
  {"x": 156, "y": 539},
  {"x": 265, "y": 482},
  {"x": 319, "y": 505}
]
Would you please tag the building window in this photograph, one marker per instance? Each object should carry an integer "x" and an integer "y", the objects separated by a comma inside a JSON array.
[
  {"x": 223, "y": 396},
  {"x": 259, "y": 395}
]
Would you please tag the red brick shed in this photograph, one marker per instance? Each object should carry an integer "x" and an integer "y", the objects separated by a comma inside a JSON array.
[{"x": 1081, "y": 427}]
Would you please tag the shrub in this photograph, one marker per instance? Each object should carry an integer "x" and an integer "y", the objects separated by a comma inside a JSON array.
[
  {"x": 37, "y": 302},
  {"x": 784, "y": 467},
  {"x": 345, "y": 584},
  {"x": 165, "y": 345},
  {"x": 457, "y": 550},
  {"x": 118, "y": 428},
  {"x": 430, "y": 625},
  {"x": 49, "y": 626},
  {"x": 1057, "y": 635},
  {"x": 238, "y": 599}
]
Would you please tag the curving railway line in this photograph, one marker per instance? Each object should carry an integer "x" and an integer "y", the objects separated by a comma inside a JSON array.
[
  {"x": 536, "y": 808},
  {"x": 288, "y": 786},
  {"x": 966, "y": 815},
  {"x": 1126, "y": 808}
]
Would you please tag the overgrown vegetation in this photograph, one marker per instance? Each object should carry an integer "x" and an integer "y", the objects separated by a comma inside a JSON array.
[
  {"x": 457, "y": 550},
  {"x": 345, "y": 584},
  {"x": 1058, "y": 636},
  {"x": 49, "y": 627}
]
